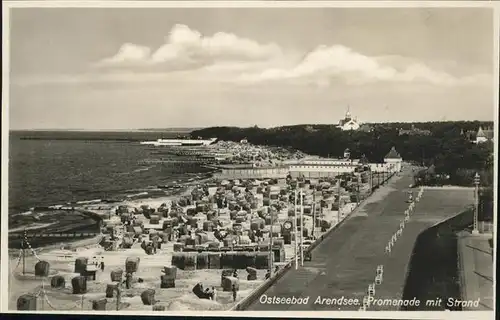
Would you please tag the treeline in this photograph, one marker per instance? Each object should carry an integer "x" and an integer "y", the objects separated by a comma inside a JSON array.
[{"x": 448, "y": 146}]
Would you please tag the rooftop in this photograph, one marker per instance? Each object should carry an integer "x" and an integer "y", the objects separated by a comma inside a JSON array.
[
  {"x": 393, "y": 154},
  {"x": 485, "y": 133}
]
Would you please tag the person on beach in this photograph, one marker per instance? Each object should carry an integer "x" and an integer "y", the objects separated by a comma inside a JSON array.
[
  {"x": 214, "y": 294},
  {"x": 208, "y": 293},
  {"x": 258, "y": 234},
  {"x": 128, "y": 280},
  {"x": 155, "y": 244},
  {"x": 234, "y": 292},
  {"x": 102, "y": 265},
  {"x": 252, "y": 237},
  {"x": 118, "y": 297}
]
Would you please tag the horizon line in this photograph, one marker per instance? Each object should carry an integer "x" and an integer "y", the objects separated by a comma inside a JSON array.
[{"x": 231, "y": 126}]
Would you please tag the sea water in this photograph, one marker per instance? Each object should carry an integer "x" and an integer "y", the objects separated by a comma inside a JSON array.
[{"x": 60, "y": 167}]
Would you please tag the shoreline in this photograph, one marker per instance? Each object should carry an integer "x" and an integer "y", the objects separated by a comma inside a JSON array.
[
  {"x": 178, "y": 299},
  {"x": 187, "y": 188},
  {"x": 155, "y": 201}
]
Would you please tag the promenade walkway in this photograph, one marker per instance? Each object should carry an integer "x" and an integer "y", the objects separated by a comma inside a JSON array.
[{"x": 345, "y": 263}]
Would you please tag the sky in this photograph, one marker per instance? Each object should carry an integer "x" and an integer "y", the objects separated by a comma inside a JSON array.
[{"x": 116, "y": 68}]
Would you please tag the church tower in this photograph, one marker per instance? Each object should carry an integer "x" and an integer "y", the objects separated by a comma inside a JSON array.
[
  {"x": 348, "y": 123},
  {"x": 348, "y": 114}
]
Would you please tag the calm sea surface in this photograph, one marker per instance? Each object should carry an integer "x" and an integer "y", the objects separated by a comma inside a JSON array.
[{"x": 60, "y": 167}]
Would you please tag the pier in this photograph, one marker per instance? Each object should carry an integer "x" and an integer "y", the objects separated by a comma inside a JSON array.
[
  {"x": 46, "y": 238},
  {"x": 56, "y": 235},
  {"x": 74, "y": 224},
  {"x": 180, "y": 162}
]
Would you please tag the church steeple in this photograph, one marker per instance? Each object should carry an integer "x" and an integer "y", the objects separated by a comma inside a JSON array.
[{"x": 348, "y": 112}]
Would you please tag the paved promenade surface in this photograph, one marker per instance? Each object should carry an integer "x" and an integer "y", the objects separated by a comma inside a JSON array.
[
  {"x": 345, "y": 263},
  {"x": 476, "y": 259}
]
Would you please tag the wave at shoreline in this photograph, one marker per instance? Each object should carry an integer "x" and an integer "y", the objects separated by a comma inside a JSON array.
[{"x": 149, "y": 194}]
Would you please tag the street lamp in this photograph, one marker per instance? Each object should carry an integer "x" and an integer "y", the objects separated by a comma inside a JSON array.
[
  {"x": 338, "y": 201},
  {"x": 371, "y": 181},
  {"x": 24, "y": 243},
  {"x": 314, "y": 214},
  {"x": 271, "y": 252},
  {"x": 301, "y": 228},
  {"x": 357, "y": 191},
  {"x": 295, "y": 230},
  {"x": 476, "y": 203}
]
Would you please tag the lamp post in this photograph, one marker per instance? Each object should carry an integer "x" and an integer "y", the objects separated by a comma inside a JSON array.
[
  {"x": 23, "y": 249},
  {"x": 338, "y": 201},
  {"x": 301, "y": 228},
  {"x": 295, "y": 230},
  {"x": 314, "y": 213},
  {"x": 475, "y": 229},
  {"x": 357, "y": 191},
  {"x": 371, "y": 181},
  {"x": 271, "y": 253}
]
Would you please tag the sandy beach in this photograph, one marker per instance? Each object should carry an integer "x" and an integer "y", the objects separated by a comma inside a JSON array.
[
  {"x": 179, "y": 298},
  {"x": 262, "y": 198}
]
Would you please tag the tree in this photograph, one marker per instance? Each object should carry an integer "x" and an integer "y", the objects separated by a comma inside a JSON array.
[{"x": 445, "y": 148}]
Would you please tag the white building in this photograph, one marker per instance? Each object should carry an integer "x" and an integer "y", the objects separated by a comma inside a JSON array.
[
  {"x": 347, "y": 153},
  {"x": 309, "y": 170},
  {"x": 484, "y": 135},
  {"x": 394, "y": 160},
  {"x": 348, "y": 123},
  {"x": 318, "y": 168},
  {"x": 328, "y": 162}
]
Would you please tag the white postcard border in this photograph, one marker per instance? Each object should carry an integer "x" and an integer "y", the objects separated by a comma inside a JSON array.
[{"x": 5, "y": 268}]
